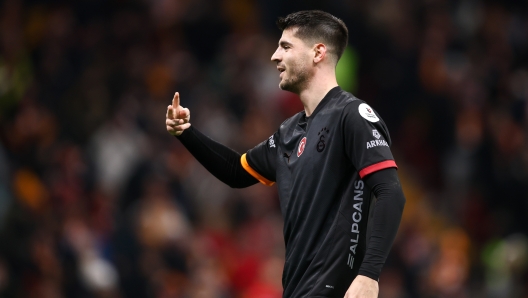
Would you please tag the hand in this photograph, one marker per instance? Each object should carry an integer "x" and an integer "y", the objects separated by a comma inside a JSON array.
[
  {"x": 363, "y": 287},
  {"x": 177, "y": 118}
]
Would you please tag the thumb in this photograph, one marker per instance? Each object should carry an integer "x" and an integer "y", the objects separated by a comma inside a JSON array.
[{"x": 176, "y": 100}]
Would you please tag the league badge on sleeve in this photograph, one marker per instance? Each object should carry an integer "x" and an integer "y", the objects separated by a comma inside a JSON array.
[{"x": 367, "y": 112}]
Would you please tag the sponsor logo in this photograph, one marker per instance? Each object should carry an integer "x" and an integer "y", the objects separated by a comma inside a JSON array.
[
  {"x": 356, "y": 220},
  {"x": 302, "y": 144},
  {"x": 376, "y": 134},
  {"x": 366, "y": 112},
  {"x": 271, "y": 142},
  {"x": 376, "y": 143}
]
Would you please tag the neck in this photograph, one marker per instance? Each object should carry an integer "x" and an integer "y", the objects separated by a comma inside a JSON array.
[{"x": 316, "y": 89}]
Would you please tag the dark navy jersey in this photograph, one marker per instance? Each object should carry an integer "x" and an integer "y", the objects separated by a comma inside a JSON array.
[{"x": 318, "y": 163}]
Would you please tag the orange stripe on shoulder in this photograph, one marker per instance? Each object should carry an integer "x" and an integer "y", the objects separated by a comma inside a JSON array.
[{"x": 254, "y": 173}]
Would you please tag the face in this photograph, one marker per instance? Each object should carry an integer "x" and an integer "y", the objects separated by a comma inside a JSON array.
[{"x": 294, "y": 62}]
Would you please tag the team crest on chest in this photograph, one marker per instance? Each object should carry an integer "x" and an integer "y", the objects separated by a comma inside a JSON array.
[
  {"x": 302, "y": 144},
  {"x": 322, "y": 144}
]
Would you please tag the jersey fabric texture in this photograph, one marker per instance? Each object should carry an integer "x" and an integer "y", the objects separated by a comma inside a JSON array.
[{"x": 318, "y": 163}]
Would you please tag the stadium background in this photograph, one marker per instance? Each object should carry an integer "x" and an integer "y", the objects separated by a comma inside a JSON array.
[{"x": 98, "y": 200}]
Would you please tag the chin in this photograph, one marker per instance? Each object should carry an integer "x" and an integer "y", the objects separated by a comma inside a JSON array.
[
  {"x": 285, "y": 87},
  {"x": 289, "y": 86}
]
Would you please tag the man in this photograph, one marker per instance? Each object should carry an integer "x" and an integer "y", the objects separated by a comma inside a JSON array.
[{"x": 329, "y": 161}]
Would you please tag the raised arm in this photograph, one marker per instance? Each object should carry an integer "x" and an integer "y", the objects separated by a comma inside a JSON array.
[{"x": 221, "y": 161}]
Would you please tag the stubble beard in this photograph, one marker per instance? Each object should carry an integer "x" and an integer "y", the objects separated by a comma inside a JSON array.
[{"x": 298, "y": 79}]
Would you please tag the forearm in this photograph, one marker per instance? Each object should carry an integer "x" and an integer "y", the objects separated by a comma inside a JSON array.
[
  {"x": 219, "y": 160},
  {"x": 385, "y": 222}
]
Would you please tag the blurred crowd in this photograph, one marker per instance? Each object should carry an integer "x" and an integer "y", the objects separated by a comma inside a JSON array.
[{"x": 98, "y": 200}]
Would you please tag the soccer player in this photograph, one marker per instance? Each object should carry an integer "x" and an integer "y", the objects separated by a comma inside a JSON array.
[{"x": 338, "y": 186}]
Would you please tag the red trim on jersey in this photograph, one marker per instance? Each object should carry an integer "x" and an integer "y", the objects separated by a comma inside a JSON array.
[{"x": 376, "y": 167}]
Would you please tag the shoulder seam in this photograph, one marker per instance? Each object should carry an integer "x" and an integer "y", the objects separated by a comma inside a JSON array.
[{"x": 354, "y": 99}]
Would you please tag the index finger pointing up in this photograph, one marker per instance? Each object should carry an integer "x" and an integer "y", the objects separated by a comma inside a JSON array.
[{"x": 176, "y": 100}]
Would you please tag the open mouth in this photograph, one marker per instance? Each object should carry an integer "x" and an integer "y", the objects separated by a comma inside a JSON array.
[{"x": 281, "y": 70}]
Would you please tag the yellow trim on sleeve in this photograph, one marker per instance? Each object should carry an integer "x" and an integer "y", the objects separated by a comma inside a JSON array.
[{"x": 254, "y": 173}]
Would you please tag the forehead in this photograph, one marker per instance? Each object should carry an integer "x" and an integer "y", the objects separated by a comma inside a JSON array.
[{"x": 288, "y": 35}]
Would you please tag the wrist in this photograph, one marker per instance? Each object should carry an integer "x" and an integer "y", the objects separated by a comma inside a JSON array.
[
  {"x": 184, "y": 133},
  {"x": 368, "y": 274}
]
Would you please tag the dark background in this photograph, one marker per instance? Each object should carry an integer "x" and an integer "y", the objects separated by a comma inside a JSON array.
[{"x": 98, "y": 200}]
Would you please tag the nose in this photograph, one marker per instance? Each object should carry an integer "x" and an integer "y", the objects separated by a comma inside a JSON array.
[{"x": 276, "y": 57}]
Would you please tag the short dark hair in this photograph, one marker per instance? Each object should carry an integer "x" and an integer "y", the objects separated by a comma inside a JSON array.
[{"x": 320, "y": 26}]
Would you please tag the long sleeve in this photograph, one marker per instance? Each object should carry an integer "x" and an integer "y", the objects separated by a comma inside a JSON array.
[
  {"x": 386, "y": 219},
  {"x": 221, "y": 161}
]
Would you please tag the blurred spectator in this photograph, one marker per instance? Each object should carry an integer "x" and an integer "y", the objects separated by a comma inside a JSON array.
[{"x": 97, "y": 200}]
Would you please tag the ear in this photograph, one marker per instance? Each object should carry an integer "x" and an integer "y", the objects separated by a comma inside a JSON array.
[{"x": 319, "y": 52}]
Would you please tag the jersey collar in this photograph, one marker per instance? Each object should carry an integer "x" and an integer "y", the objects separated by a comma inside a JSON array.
[{"x": 333, "y": 92}]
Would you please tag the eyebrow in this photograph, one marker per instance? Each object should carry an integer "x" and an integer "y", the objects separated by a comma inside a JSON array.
[{"x": 284, "y": 43}]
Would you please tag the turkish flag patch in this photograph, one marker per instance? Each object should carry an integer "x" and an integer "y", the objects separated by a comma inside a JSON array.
[{"x": 302, "y": 144}]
